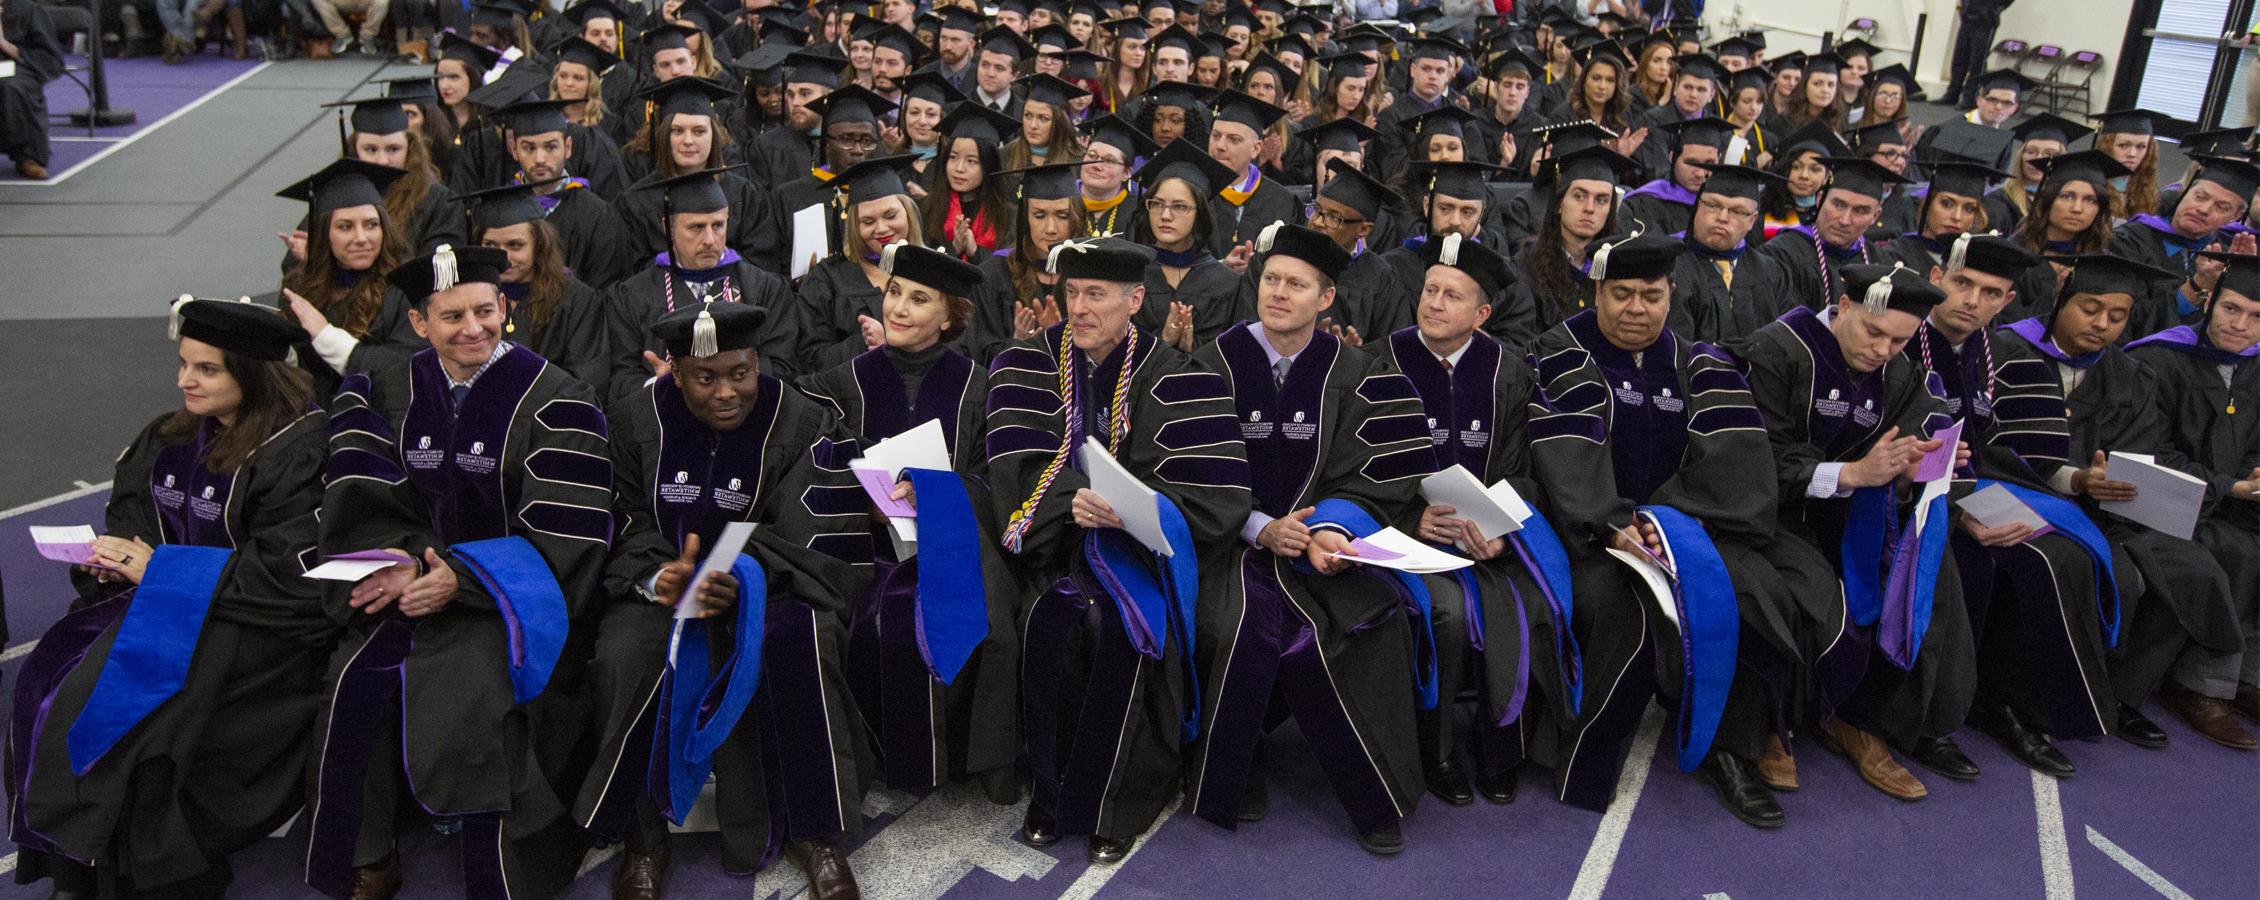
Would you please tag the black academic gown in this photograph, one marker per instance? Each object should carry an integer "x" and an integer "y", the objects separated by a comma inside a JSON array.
[
  {"x": 1104, "y": 723},
  {"x": 1239, "y": 223},
  {"x": 2174, "y": 596},
  {"x": 23, "y": 97},
  {"x": 632, "y": 306},
  {"x": 754, "y": 229},
  {"x": 1524, "y": 314},
  {"x": 1704, "y": 307},
  {"x": 1333, "y": 649},
  {"x": 995, "y": 303},
  {"x": 386, "y": 343},
  {"x": 794, "y": 767},
  {"x": 1672, "y": 426},
  {"x": 1661, "y": 206},
  {"x": 1513, "y": 644},
  {"x": 2210, "y": 430},
  {"x": 598, "y": 247},
  {"x": 833, "y": 296},
  {"x": 776, "y": 156},
  {"x": 424, "y": 710},
  {"x": 1371, "y": 298},
  {"x": 930, "y": 733},
  {"x": 1819, "y": 411},
  {"x": 2151, "y": 241},
  {"x": 483, "y": 161},
  {"x": 2035, "y": 608},
  {"x": 1811, "y": 271},
  {"x": 799, "y": 192},
  {"x": 1210, "y": 287},
  {"x": 219, "y": 764},
  {"x": 571, "y": 336},
  {"x": 1489, "y": 129}
]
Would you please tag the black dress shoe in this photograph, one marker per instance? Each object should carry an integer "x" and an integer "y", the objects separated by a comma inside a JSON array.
[
  {"x": 1448, "y": 781},
  {"x": 2140, "y": 731},
  {"x": 1387, "y": 840},
  {"x": 1107, "y": 851},
  {"x": 1038, "y": 828},
  {"x": 2023, "y": 741},
  {"x": 1255, "y": 799},
  {"x": 1942, "y": 755},
  {"x": 1740, "y": 790},
  {"x": 1498, "y": 788}
]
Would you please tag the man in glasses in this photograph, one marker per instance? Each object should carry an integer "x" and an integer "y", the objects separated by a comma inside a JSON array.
[
  {"x": 1720, "y": 292},
  {"x": 1369, "y": 298},
  {"x": 1883, "y": 145},
  {"x": 848, "y": 133}
]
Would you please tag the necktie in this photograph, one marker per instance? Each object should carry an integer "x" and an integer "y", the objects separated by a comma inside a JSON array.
[
  {"x": 459, "y": 392},
  {"x": 1726, "y": 271},
  {"x": 1279, "y": 371},
  {"x": 1447, "y": 364}
]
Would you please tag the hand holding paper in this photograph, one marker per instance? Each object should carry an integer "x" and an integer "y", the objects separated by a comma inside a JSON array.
[
  {"x": 710, "y": 574},
  {"x": 1998, "y": 519},
  {"x": 1496, "y": 510},
  {"x": 66, "y": 543},
  {"x": 1130, "y": 498},
  {"x": 1393, "y": 549}
]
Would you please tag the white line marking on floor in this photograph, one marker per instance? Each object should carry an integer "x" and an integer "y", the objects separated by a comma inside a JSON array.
[
  {"x": 82, "y": 490},
  {"x": 1718, "y": 896},
  {"x": 14, "y": 653},
  {"x": 1601, "y": 857},
  {"x": 66, "y": 174},
  {"x": 1088, "y": 884},
  {"x": 2127, "y": 861},
  {"x": 2055, "y": 853},
  {"x": 67, "y": 139},
  {"x": 7, "y": 864}
]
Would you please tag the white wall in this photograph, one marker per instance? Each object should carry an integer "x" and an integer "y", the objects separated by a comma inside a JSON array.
[{"x": 2098, "y": 25}]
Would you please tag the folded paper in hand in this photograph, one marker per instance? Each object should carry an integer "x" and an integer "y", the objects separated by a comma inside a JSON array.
[{"x": 1133, "y": 502}]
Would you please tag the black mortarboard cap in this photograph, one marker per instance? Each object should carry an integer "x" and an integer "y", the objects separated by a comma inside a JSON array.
[
  {"x": 1513, "y": 59},
  {"x": 1818, "y": 138},
  {"x": 765, "y": 65},
  {"x": 1103, "y": 258},
  {"x": 502, "y": 14},
  {"x": 2050, "y": 127},
  {"x": 502, "y": 207},
  {"x": 874, "y": 178},
  {"x": 1351, "y": 187},
  {"x": 456, "y": 47},
  {"x": 1052, "y": 181},
  {"x": 1297, "y": 242},
  {"x": 2237, "y": 175},
  {"x": 523, "y": 82},
  {"x": 1884, "y": 288},
  {"x": 1292, "y": 43},
  {"x": 1866, "y": 138},
  {"x": 1639, "y": 256},
  {"x": 700, "y": 17},
  {"x": 1344, "y": 134},
  {"x": 1595, "y": 163},
  {"x": 1988, "y": 253},
  {"x": 689, "y": 95},
  {"x": 1963, "y": 179},
  {"x": 1701, "y": 131},
  {"x": 418, "y": 90},
  {"x": 1008, "y": 42},
  {"x": 1448, "y": 119},
  {"x": 1861, "y": 175},
  {"x": 2242, "y": 277},
  {"x": 1192, "y": 164},
  {"x": 1605, "y": 51},
  {"x": 1735, "y": 45},
  {"x": 341, "y": 184},
  {"x": 1128, "y": 28},
  {"x": 1181, "y": 94},
  {"x": 1463, "y": 180},
  {"x": 2131, "y": 121},
  {"x": 1701, "y": 66},
  {"x": 2105, "y": 274},
  {"x": 667, "y": 36},
  {"x": 580, "y": 13},
  {"x": 786, "y": 33},
  {"x": 1083, "y": 64},
  {"x": 1051, "y": 90},
  {"x": 1436, "y": 47},
  {"x": 932, "y": 87},
  {"x": 1895, "y": 74},
  {"x": 1823, "y": 64},
  {"x": 812, "y": 67},
  {"x": 1793, "y": 61},
  {"x": 531, "y": 117},
  {"x": 1857, "y": 46},
  {"x": 576, "y": 50},
  {"x": 239, "y": 326},
  {"x": 902, "y": 40},
  {"x": 1053, "y": 38},
  {"x": 958, "y": 18},
  {"x": 2093, "y": 166},
  {"x": 1570, "y": 137},
  {"x": 1237, "y": 107},
  {"x": 2219, "y": 142},
  {"x": 930, "y": 267},
  {"x": 716, "y": 328},
  {"x": 979, "y": 123},
  {"x": 1174, "y": 36},
  {"x": 1468, "y": 255},
  {"x": 852, "y": 103},
  {"x": 2006, "y": 78},
  {"x": 1264, "y": 61},
  {"x": 1738, "y": 181},
  {"x": 1117, "y": 132},
  {"x": 375, "y": 115},
  {"x": 447, "y": 266}
]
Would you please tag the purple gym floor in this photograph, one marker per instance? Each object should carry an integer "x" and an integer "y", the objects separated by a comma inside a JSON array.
[
  {"x": 2180, "y": 822},
  {"x": 145, "y": 85}
]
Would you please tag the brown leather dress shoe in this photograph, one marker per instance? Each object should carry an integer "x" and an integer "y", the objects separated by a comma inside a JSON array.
[
  {"x": 1777, "y": 768},
  {"x": 32, "y": 170},
  {"x": 829, "y": 877},
  {"x": 1869, "y": 755},
  {"x": 378, "y": 882},
  {"x": 2211, "y": 717},
  {"x": 642, "y": 876}
]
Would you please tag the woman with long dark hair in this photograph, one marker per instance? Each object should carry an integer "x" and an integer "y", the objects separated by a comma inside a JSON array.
[
  {"x": 1815, "y": 98},
  {"x": 211, "y": 521},
  {"x": 461, "y": 69},
  {"x": 1015, "y": 279},
  {"x": 551, "y": 312},
  {"x": 1047, "y": 123},
  {"x": 2039, "y": 138},
  {"x": 686, "y": 135},
  {"x": 382, "y": 133},
  {"x": 1550, "y": 265},
  {"x": 355, "y": 322},
  {"x": 967, "y": 205},
  {"x": 1602, "y": 92},
  {"x": 1124, "y": 76},
  {"x": 1191, "y": 297},
  {"x": 1174, "y": 110},
  {"x": 2071, "y": 217},
  {"x": 1803, "y": 166}
]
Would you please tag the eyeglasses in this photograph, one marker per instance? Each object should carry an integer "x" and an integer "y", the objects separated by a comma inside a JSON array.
[
  {"x": 1717, "y": 208},
  {"x": 1164, "y": 209},
  {"x": 854, "y": 141},
  {"x": 1889, "y": 155},
  {"x": 1318, "y": 215}
]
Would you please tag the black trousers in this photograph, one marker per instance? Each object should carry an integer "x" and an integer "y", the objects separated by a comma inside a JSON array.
[{"x": 1971, "y": 47}]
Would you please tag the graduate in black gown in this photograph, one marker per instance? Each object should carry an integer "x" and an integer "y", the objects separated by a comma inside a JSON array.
[
  {"x": 356, "y": 321},
  {"x": 209, "y": 526},
  {"x": 715, "y": 441},
  {"x": 1851, "y": 421},
  {"x": 2044, "y": 608},
  {"x": 1014, "y": 300},
  {"x": 1666, "y": 204},
  {"x": 1339, "y": 442},
  {"x": 1810, "y": 255},
  {"x": 1550, "y": 280},
  {"x": 2071, "y": 216},
  {"x": 2208, "y": 386},
  {"x": 1247, "y": 202},
  {"x": 1512, "y": 110},
  {"x": 1952, "y": 205},
  {"x": 452, "y": 691},
  {"x": 850, "y": 118},
  {"x": 487, "y": 152},
  {"x": 1369, "y": 300},
  {"x": 598, "y": 247},
  {"x": 1110, "y": 700},
  {"x": 1720, "y": 290},
  {"x": 1500, "y": 626},
  {"x": 698, "y": 267},
  {"x": 1649, "y": 445},
  {"x": 687, "y": 136},
  {"x": 2218, "y": 198},
  {"x": 1191, "y": 296},
  {"x": 420, "y": 200},
  {"x": 783, "y": 152},
  {"x": 950, "y": 711},
  {"x": 2182, "y": 605},
  {"x": 552, "y": 311},
  {"x": 38, "y": 56},
  {"x": 1116, "y": 145},
  {"x": 840, "y": 297}
]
